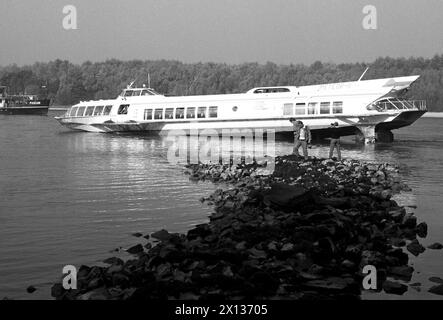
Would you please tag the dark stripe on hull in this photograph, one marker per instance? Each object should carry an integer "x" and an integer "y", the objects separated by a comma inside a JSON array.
[{"x": 40, "y": 111}]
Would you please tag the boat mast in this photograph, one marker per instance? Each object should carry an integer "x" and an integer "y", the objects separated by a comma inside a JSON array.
[{"x": 363, "y": 74}]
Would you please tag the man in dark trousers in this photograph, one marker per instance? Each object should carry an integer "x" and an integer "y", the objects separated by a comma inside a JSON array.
[
  {"x": 335, "y": 140},
  {"x": 302, "y": 137}
]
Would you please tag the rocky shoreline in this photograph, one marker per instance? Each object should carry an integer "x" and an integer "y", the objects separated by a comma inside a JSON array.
[{"x": 304, "y": 231}]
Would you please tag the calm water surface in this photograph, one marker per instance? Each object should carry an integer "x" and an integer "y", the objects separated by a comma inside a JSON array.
[{"x": 71, "y": 197}]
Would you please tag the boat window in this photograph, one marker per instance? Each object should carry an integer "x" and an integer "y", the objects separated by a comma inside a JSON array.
[
  {"x": 73, "y": 111},
  {"x": 136, "y": 93},
  {"x": 148, "y": 114},
  {"x": 288, "y": 109},
  {"x": 169, "y": 113},
  {"x": 123, "y": 109},
  {"x": 190, "y": 112},
  {"x": 107, "y": 110},
  {"x": 146, "y": 93},
  {"x": 89, "y": 111},
  {"x": 80, "y": 111},
  {"x": 128, "y": 93},
  {"x": 179, "y": 113},
  {"x": 337, "y": 107},
  {"x": 325, "y": 107},
  {"x": 158, "y": 114},
  {"x": 98, "y": 110},
  {"x": 213, "y": 112},
  {"x": 153, "y": 92},
  {"x": 300, "y": 109},
  {"x": 201, "y": 112},
  {"x": 312, "y": 108}
]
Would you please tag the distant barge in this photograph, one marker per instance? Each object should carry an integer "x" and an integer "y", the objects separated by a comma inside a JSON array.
[{"x": 22, "y": 104}]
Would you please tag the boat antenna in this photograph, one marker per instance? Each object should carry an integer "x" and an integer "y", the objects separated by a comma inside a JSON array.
[
  {"x": 149, "y": 80},
  {"x": 363, "y": 74}
]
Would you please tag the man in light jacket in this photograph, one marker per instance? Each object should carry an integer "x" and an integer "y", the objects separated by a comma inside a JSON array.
[{"x": 302, "y": 137}]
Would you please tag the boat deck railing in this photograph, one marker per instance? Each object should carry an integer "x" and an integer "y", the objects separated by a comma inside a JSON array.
[{"x": 401, "y": 105}]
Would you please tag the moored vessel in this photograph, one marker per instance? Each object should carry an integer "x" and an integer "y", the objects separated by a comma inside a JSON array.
[
  {"x": 22, "y": 104},
  {"x": 371, "y": 108}
]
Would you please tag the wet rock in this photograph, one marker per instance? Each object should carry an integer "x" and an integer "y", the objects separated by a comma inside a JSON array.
[
  {"x": 436, "y": 246},
  {"x": 31, "y": 289},
  {"x": 416, "y": 286},
  {"x": 135, "y": 249},
  {"x": 409, "y": 221},
  {"x": 161, "y": 235},
  {"x": 120, "y": 280},
  {"x": 241, "y": 245},
  {"x": 227, "y": 272},
  {"x": 57, "y": 290},
  {"x": 422, "y": 229},
  {"x": 201, "y": 230},
  {"x": 257, "y": 254},
  {"x": 287, "y": 247},
  {"x": 264, "y": 283},
  {"x": 331, "y": 284},
  {"x": 115, "y": 268},
  {"x": 402, "y": 272},
  {"x": 96, "y": 294},
  {"x": 437, "y": 289},
  {"x": 348, "y": 264},
  {"x": 398, "y": 242},
  {"x": 137, "y": 234},
  {"x": 392, "y": 287},
  {"x": 415, "y": 248},
  {"x": 397, "y": 214},
  {"x": 284, "y": 195},
  {"x": 112, "y": 260},
  {"x": 436, "y": 280},
  {"x": 272, "y": 246}
]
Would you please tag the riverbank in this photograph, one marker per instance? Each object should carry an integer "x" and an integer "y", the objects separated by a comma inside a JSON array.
[{"x": 303, "y": 232}]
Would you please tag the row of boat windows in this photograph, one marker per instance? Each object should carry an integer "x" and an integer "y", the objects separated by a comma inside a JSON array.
[
  {"x": 180, "y": 113},
  {"x": 90, "y": 111},
  {"x": 290, "y": 109}
]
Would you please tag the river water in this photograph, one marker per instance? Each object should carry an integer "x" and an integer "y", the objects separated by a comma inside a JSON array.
[{"x": 71, "y": 197}]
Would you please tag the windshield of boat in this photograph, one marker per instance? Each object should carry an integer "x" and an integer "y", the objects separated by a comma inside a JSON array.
[{"x": 138, "y": 92}]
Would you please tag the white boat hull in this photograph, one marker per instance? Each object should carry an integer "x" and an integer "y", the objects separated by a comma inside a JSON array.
[{"x": 368, "y": 104}]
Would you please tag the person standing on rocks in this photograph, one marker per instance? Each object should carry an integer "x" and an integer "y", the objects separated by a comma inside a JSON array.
[
  {"x": 302, "y": 137},
  {"x": 335, "y": 141}
]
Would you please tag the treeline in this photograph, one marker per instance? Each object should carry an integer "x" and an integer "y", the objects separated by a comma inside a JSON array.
[{"x": 68, "y": 83}]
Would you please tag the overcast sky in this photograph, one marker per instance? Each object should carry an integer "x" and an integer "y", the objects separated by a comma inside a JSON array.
[{"x": 231, "y": 31}]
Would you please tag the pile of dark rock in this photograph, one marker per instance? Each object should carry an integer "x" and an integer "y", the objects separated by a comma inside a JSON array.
[{"x": 303, "y": 231}]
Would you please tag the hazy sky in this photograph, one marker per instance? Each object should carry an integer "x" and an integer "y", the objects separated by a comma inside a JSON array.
[{"x": 232, "y": 31}]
